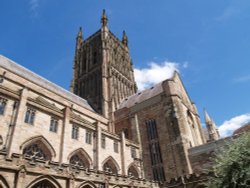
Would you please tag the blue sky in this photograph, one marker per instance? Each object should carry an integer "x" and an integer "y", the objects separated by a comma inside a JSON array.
[{"x": 208, "y": 42}]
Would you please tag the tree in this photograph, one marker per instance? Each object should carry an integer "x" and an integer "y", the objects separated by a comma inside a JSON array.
[{"x": 232, "y": 165}]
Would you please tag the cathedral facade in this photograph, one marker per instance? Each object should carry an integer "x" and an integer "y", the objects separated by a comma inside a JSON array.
[{"x": 102, "y": 133}]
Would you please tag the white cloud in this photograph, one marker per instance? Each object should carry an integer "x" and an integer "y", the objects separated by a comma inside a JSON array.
[
  {"x": 229, "y": 126},
  {"x": 242, "y": 79},
  {"x": 154, "y": 73},
  {"x": 34, "y": 4}
]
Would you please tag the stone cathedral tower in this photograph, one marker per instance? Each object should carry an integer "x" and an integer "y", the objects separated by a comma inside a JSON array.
[{"x": 103, "y": 72}]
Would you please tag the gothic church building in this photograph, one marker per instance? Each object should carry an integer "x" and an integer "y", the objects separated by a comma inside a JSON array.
[{"x": 102, "y": 133}]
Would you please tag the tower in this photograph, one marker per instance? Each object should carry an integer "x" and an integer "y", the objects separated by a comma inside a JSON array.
[
  {"x": 103, "y": 72},
  {"x": 213, "y": 133}
]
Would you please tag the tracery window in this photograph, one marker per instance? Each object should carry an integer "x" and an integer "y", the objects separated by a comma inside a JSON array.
[
  {"x": 35, "y": 151},
  {"x": 53, "y": 125},
  {"x": 43, "y": 184},
  {"x": 3, "y": 103},
  {"x": 155, "y": 151},
  {"x": 110, "y": 167},
  {"x": 77, "y": 161},
  {"x": 132, "y": 172},
  {"x": 30, "y": 116}
]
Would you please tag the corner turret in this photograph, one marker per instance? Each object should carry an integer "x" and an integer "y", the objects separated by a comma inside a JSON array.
[{"x": 124, "y": 39}]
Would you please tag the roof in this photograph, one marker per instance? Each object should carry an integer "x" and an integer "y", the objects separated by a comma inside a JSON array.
[
  {"x": 42, "y": 82},
  {"x": 142, "y": 96}
]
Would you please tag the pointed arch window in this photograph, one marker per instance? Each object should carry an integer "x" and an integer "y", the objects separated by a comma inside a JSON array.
[
  {"x": 37, "y": 150},
  {"x": 133, "y": 172},
  {"x": 77, "y": 161},
  {"x": 110, "y": 167},
  {"x": 43, "y": 184}
]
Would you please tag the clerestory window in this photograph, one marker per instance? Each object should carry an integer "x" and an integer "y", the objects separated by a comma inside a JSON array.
[
  {"x": 75, "y": 132},
  {"x": 3, "y": 103},
  {"x": 30, "y": 116},
  {"x": 53, "y": 125},
  {"x": 88, "y": 138}
]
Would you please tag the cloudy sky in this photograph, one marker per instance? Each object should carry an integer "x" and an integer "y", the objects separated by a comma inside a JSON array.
[{"x": 208, "y": 42}]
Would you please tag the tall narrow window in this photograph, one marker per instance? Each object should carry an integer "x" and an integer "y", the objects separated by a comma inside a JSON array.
[
  {"x": 88, "y": 137},
  {"x": 155, "y": 152},
  {"x": 2, "y": 105},
  {"x": 103, "y": 141},
  {"x": 75, "y": 132},
  {"x": 53, "y": 125},
  {"x": 133, "y": 152},
  {"x": 29, "y": 116},
  {"x": 116, "y": 148}
]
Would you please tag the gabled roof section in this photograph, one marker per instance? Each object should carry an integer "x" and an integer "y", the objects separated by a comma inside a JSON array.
[
  {"x": 42, "y": 82},
  {"x": 142, "y": 96}
]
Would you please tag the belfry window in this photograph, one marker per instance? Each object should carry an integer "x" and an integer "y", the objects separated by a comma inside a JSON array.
[
  {"x": 94, "y": 58},
  {"x": 2, "y": 105},
  {"x": 30, "y": 116},
  {"x": 75, "y": 132},
  {"x": 53, "y": 125}
]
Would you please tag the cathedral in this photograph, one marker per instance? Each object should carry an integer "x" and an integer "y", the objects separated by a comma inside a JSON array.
[{"x": 102, "y": 133}]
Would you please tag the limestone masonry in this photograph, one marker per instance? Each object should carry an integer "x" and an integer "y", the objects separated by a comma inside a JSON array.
[{"x": 102, "y": 133}]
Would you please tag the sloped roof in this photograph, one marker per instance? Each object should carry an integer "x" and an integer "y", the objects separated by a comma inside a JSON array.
[
  {"x": 42, "y": 82},
  {"x": 142, "y": 96}
]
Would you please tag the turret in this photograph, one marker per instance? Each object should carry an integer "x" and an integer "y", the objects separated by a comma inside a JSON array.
[
  {"x": 124, "y": 39},
  {"x": 213, "y": 133}
]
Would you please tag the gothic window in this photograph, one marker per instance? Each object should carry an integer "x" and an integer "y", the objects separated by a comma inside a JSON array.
[
  {"x": 2, "y": 105},
  {"x": 110, "y": 167},
  {"x": 53, "y": 125},
  {"x": 155, "y": 152},
  {"x": 133, "y": 172},
  {"x": 103, "y": 142},
  {"x": 133, "y": 152},
  {"x": 43, "y": 184},
  {"x": 88, "y": 138},
  {"x": 116, "y": 148},
  {"x": 75, "y": 132},
  {"x": 29, "y": 116},
  {"x": 36, "y": 151},
  {"x": 77, "y": 161}
]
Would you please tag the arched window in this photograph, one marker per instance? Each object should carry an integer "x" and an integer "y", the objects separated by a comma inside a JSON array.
[
  {"x": 37, "y": 150},
  {"x": 133, "y": 172},
  {"x": 43, "y": 184},
  {"x": 110, "y": 166},
  {"x": 79, "y": 158}
]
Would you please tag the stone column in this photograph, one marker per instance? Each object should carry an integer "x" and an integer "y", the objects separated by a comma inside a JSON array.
[
  {"x": 97, "y": 163},
  {"x": 13, "y": 144},
  {"x": 65, "y": 124},
  {"x": 123, "y": 156}
]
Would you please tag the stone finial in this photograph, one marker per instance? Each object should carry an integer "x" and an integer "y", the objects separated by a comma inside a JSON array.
[
  {"x": 79, "y": 34},
  {"x": 104, "y": 19},
  {"x": 213, "y": 132},
  {"x": 124, "y": 38}
]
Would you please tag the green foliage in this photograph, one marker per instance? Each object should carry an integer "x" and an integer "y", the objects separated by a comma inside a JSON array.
[{"x": 232, "y": 165}]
